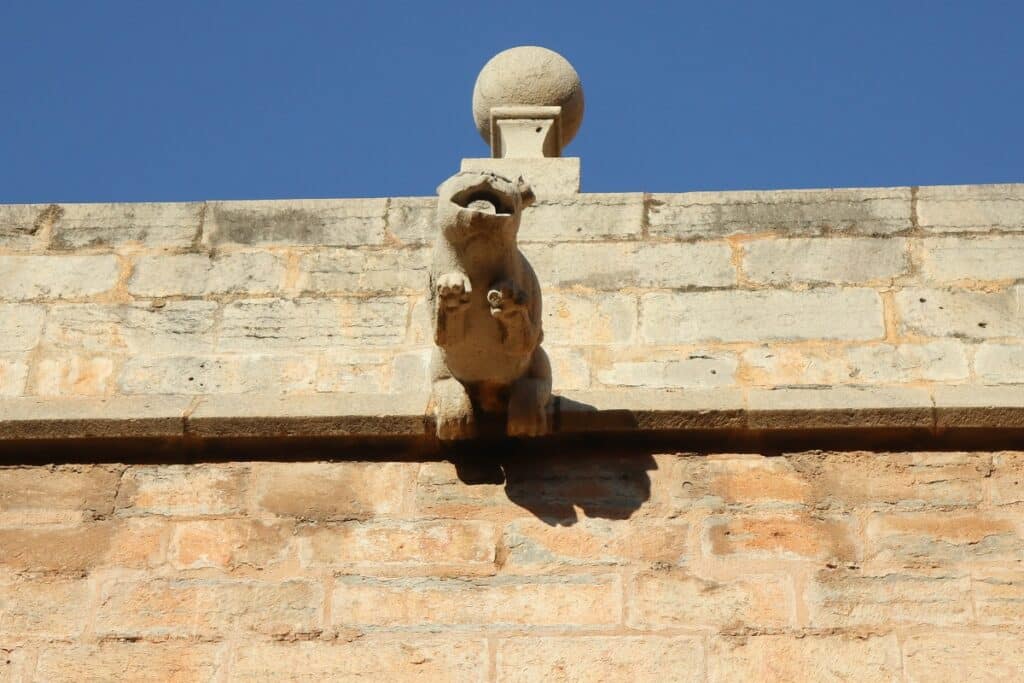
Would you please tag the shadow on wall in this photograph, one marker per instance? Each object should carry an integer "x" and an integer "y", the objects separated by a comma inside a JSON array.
[{"x": 552, "y": 480}]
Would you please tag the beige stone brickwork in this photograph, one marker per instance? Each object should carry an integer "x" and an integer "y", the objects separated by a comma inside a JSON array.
[{"x": 625, "y": 564}]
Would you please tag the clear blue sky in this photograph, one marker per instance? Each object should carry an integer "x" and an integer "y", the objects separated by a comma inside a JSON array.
[{"x": 162, "y": 101}]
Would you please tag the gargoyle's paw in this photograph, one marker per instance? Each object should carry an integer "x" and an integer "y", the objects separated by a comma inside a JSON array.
[
  {"x": 505, "y": 298},
  {"x": 528, "y": 423},
  {"x": 453, "y": 289},
  {"x": 455, "y": 427}
]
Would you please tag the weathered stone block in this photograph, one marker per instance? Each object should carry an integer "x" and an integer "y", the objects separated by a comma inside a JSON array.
[
  {"x": 954, "y": 259},
  {"x": 654, "y": 370},
  {"x": 13, "y": 373},
  {"x": 615, "y": 265},
  {"x": 198, "y": 274},
  {"x": 44, "y": 608},
  {"x": 971, "y": 208},
  {"x": 412, "y": 219},
  {"x": 783, "y": 537},
  {"x": 66, "y": 493},
  {"x": 825, "y": 260},
  {"x": 703, "y": 215},
  {"x": 370, "y": 657},
  {"x": 182, "y": 490},
  {"x": 358, "y": 271},
  {"x": 679, "y": 318},
  {"x": 677, "y": 599},
  {"x": 959, "y": 313},
  {"x": 941, "y": 361},
  {"x": 172, "y": 327},
  {"x": 570, "y": 368},
  {"x": 851, "y": 599},
  {"x": 1007, "y": 479},
  {"x": 650, "y": 659},
  {"x": 144, "y": 662},
  {"x": 533, "y": 544},
  {"x": 395, "y": 546},
  {"x": 218, "y": 374},
  {"x": 962, "y": 655},
  {"x": 566, "y": 601},
  {"x": 934, "y": 538},
  {"x": 789, "y": 364},
  {"x": 207, "y": 608},
  {"x": 331, "y": 491},
  {"x": 352, "y": 370},
  {"x": 315, "y": 222},
  {"x": 59, "y": 549},
  {"x": 1000, "y": 363},
  {"x": 57, "y": 277},
  {"x": 162, "y": 225},
  {"x": 73, "y": 375},
  {"x": 585, "y": 320},
  {"x": 229, "y": 543},
  {"x": 584, "y": 217},
  {"x": 256, "y": 325},
  {"x": 782, "y": 658},
  {"x": 756, "y": 480},
  {"x": 21, "y": 225},
  {"x": 21, "y": 325}
]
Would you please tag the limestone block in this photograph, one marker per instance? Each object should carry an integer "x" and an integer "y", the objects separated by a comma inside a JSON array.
[
  {"x": 587, "y": 319},
  {"x": 46, "y": 609},
  {"x": 941, "y": 361},
  {"x": 483, "y": 603},
  {"x": 784, "y": 364},
  {"x": 106, "y": 661},
  {"x": 392, "y": 271},
  {"x": 960, "y": 313},
  {"x": 255, "y": 325},
  {"x": 653, "y": 410},
  {"x": 532, "y": 544},
  {"x": 57, "y": 277},
  {"x": 217, "y": 374},
  {"x": 831, "y": 260},
  {"x": 313, "y": 222},
  {"x": 250, "y": 273},
  {"x": 618, "y": 265},
  {"x": 973, "y": 406},
  {"x": 842, "y": 598},
  {"x": 34, "y": 418},
  {"x": 951, "y": 259},
  {"x": 838, "y": 407},
  {"x": 21, "y": 225},
  {"x": 678, "y": 599},
  {"x": 73, "y": 375},
  {"x": 56, "y": 549},
  {"x": 410, "y": 371},
  {"x": 660, "y": 370},
  {"x": 1000, "y": 363},
  {"x": 933, "y": 539},
  {"x": 800, "y": 657},
  {"x": 331, "y": 491},
  {"x": 570, "y": 368},
  {"x": 388, "y": 546},
  {"x": 680, "y": 318},
  {"x": 583, "y": 217},
  {"x": 182, "y": 490},
  {"x": 971, "y": 208},
  {"x": 704, "y": 215},
  {"x": 206, "y": 609},
  {"x": 400, "y": 659},
  {"x": 960, "y": 655},
  {"x": 353, "y": 370},
  {"x": 92, "y": 328},
  {"x": 63, "y": 494},
  {"x": 790, "y": 536},
  {"x": 997, "y": 596},
  {"x": 13, "y": 373},
  {"x": 172, "y": 327},
  {"x": 21, "y": 326},
  {"x": 646, "y": 659},
  {"x": 163, "y": 225},
  {"x": 411, "y": 219}
]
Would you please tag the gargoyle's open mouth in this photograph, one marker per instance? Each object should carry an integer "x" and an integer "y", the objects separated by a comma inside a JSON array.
[{"x": 484, "y": 200}]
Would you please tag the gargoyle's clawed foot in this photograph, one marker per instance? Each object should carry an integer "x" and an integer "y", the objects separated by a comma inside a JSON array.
[
  {"x": 527, "y": 409},
  {"x": 505, "y": 299},
  {"x": 453, "y": 411},
  {"x": 453, "y": 290}
]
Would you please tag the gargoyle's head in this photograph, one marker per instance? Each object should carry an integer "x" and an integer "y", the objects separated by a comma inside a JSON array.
[{"x": 471, "y": 202}]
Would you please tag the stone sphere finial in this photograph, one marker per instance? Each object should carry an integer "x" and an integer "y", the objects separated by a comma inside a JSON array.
[{"x": 529, "y": 76}]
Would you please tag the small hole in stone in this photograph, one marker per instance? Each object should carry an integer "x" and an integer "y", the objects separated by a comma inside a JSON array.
[
  {"x": 714, "y": 372},
  {"x": 191, "y": 379},
  {"x": 922, "y": 300},
  {"x": 982, "y": 324},
  {"x": 539, "y": 129}
]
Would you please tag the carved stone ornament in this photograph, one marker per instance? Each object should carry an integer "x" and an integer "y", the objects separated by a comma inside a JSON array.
[{"x": 486, "y": 306}]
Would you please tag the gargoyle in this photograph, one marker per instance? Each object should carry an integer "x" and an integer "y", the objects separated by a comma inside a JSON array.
[{"x": 487, "y": 310}]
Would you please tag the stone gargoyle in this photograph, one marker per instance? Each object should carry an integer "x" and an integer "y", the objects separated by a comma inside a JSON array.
[{"x": 486, "y": 306}]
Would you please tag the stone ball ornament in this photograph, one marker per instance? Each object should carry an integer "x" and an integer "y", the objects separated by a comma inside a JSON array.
[{"x": 529, "y": 76}]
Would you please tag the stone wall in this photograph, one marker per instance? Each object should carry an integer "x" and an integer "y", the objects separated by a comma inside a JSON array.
[
  {"x": 623, "y": 565},
  {"x": 902, "y": 287}
]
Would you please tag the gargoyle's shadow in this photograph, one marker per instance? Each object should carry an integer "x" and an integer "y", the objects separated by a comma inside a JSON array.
[{"x": 552, "y": 478}]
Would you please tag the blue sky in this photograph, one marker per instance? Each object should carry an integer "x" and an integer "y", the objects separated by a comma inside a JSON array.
[{"x": 148, "y": 101}]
